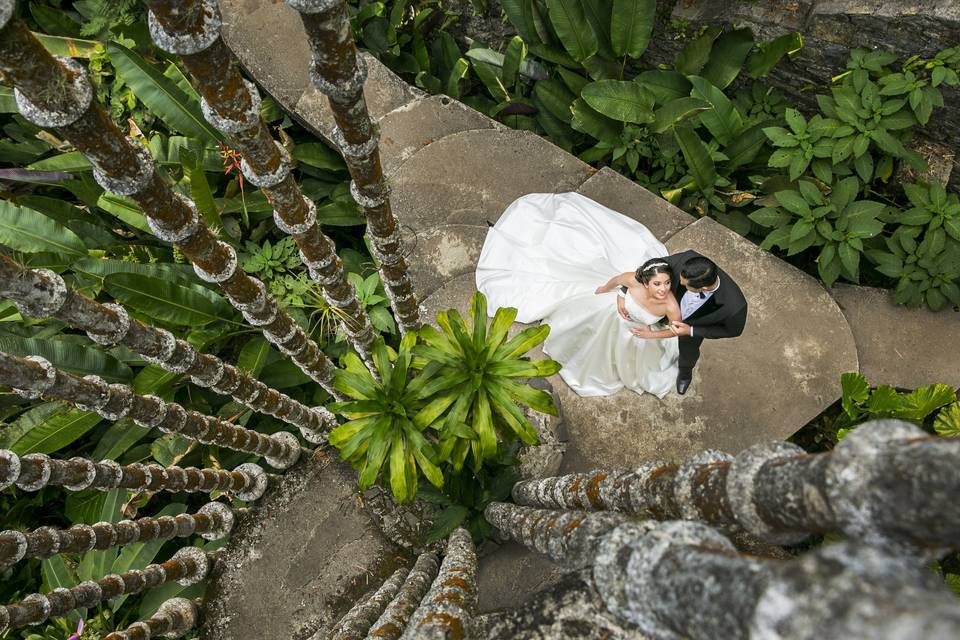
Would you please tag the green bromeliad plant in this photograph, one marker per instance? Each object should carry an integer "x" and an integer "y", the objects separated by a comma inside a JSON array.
[{"x": 455, "y": 394}]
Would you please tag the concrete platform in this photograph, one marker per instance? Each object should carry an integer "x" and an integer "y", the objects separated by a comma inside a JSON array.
[{"x": 902, "y": 347}]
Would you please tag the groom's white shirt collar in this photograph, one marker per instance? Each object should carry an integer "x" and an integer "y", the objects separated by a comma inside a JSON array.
[{"x": 691, "y": 301}]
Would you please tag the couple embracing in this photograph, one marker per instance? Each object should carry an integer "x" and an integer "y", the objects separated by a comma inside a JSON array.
[{"x": 642, "y": 329}]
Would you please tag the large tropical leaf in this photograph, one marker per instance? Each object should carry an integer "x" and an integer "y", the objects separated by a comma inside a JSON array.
[
  {"x": 920, "y": 403},
  {"x": 161, "y": 95},
  {"x": 727, "y": 57},
  {"x": 770, "y": 53},
  {"x": 30, "y": 231},
  {"x": 572, "y": 28},
  {"x": 96, "y": 564},
  {"x": 69, "y": 356},
  {"x": 58, "y": 431},
  {"x": 556, "y": 97},
  {"x": 168, "y": 301},
  {"x": 676, "y": 111},
  {"x": 587, "y": 120},
  {"x": 693, "y": 57},
  {"x": 724, "y": 120},
  {"x": 620, "y": 100},
  {"x": 665, "y": 85},
  {"x": 125, "y": 209},
  {"x": 697, "y": 156},
  {"x": 631, "y": 25}
]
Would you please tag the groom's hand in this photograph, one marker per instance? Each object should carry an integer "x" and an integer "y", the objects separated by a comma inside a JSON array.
[
  {"x": 622, "y": 308},
  {"x": 680, "y": 328}
]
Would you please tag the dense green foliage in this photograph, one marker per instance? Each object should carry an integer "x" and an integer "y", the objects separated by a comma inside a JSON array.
[
  {"x": 707, "y": 134},
  {"x": 53, "y": 215},
  {"x": 437, "y": 402}
]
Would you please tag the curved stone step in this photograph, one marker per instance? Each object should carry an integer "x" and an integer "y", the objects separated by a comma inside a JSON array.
[
  {"x": 414, "y": 125},
  {"x": 304, "y": 554},
  {"x": 901, "y": 347},
  {"x": 441, "y": 253},
  {"x": 470, "y": 177},
  {"x": 269, "y": 40}
]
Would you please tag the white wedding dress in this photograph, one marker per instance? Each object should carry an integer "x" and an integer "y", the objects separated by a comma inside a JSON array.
[{"x": 546, "y": 256}]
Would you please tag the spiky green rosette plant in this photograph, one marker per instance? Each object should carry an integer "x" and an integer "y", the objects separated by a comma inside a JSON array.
[
  {"x": 479, "y": 382},
  {"x": 381, "y": 430}
]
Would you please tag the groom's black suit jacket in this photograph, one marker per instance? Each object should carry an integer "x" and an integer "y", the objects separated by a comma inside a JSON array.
[{"x": 724, "y": 315}]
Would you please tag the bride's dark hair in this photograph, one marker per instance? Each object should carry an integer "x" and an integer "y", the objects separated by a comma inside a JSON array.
[{"x": 652, "y": 267}]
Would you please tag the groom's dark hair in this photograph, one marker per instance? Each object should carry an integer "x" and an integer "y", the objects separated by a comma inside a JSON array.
[{"x": 699, "y": 272}]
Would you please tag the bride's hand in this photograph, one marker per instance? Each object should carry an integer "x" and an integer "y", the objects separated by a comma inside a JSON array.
[{"x": 602, "y": 289}]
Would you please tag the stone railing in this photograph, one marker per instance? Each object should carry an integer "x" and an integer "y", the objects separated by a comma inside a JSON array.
[{"x": 54, "y": 93}]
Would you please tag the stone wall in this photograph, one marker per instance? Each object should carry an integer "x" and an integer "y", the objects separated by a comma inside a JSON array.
[{"x": 831, "y": 28}]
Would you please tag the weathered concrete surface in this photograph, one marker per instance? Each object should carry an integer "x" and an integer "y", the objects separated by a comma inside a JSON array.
[
  {"x": 510, "y": 575},
  {"x": 902, "y": 347},
  {"x": 624, "y": 195},
  {"x": 414, "y": 125},
  {"x": 471, "y": 177},
  {"x": 299, "y": 560},
  {"x": 269, "y": 40},
  {"x": 442, "y": 252}
]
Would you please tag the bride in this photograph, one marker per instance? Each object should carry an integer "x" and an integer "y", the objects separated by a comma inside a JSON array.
[{"x": 546, "y": 256}]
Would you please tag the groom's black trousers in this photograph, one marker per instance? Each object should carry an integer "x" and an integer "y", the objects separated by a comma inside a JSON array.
[{"x": 689, "y": 352}]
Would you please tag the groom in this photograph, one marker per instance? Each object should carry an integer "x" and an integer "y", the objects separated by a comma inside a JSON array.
[{"x": 711, "y": 306}]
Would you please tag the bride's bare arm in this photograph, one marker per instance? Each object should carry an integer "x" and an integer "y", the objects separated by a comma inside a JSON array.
[{"x": 625, "y": 279}]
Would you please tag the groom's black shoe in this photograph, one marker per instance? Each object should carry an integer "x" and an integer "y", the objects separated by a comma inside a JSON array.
[{"x": 683, "y": 382}]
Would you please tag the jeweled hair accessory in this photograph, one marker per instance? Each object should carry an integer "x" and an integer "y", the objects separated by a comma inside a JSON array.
[{"x": 654, "y": 265}]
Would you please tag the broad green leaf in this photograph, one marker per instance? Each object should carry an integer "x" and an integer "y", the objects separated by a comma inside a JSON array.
[
  {"x": 58, "y": 431},
  {"x": 125, "y": 209},
  {"x": 620, "y": 100},
  {"x": 631, "y": 24},
  {"x": 253, "y": 355},
  {"x": 161, "y": 95},
  {"x": 447, "y": 521},
  {"x": 920, "y": 403},
  {"x": 200, "y": 191},
  {"x": 533, "y": 398},
  {"x": 724, "y": 120},
  {"x": 697, "y": 156},
  {"x": 770, "y": 53},
  {"x": 26, "y": 421},
  {"x": 572, "y": 28},
  {"x": 519, "y": 12},
  {"x": 168, "y": 301},
  {"x": 69, "y": 356},
  {"x": 182, "y": 273},
  {"x": 30, "y": 231},
  {"x": 522, "y": 342},
  {"x": 398, "y": 462},
  {"x": 587, "y": 120},
  {"x": 884, "y": 401},
  {"x": 947, "y": 422},
  {"x": 677, "y": 111},
  {"x": 665, "y": 85},
  {"x": 68, "y": 47},
  {"x": 516, "y": 52},
  {"x": 71, "y": 162},
  {"x": 556, "y": 98},
  {"x": 693, "y": 57},
  {"x": 727, "y": 57},
  {"x": 317, "y": 154},
  {"x": 118, "y": 439},
  {"x": 856, "y": 389},
  {"x": 169, "y": 448}
]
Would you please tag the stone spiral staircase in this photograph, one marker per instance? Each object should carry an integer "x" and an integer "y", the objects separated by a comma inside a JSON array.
[
  {"x": 452, "y": 171},
  {"x": 310, "y": 549}
]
